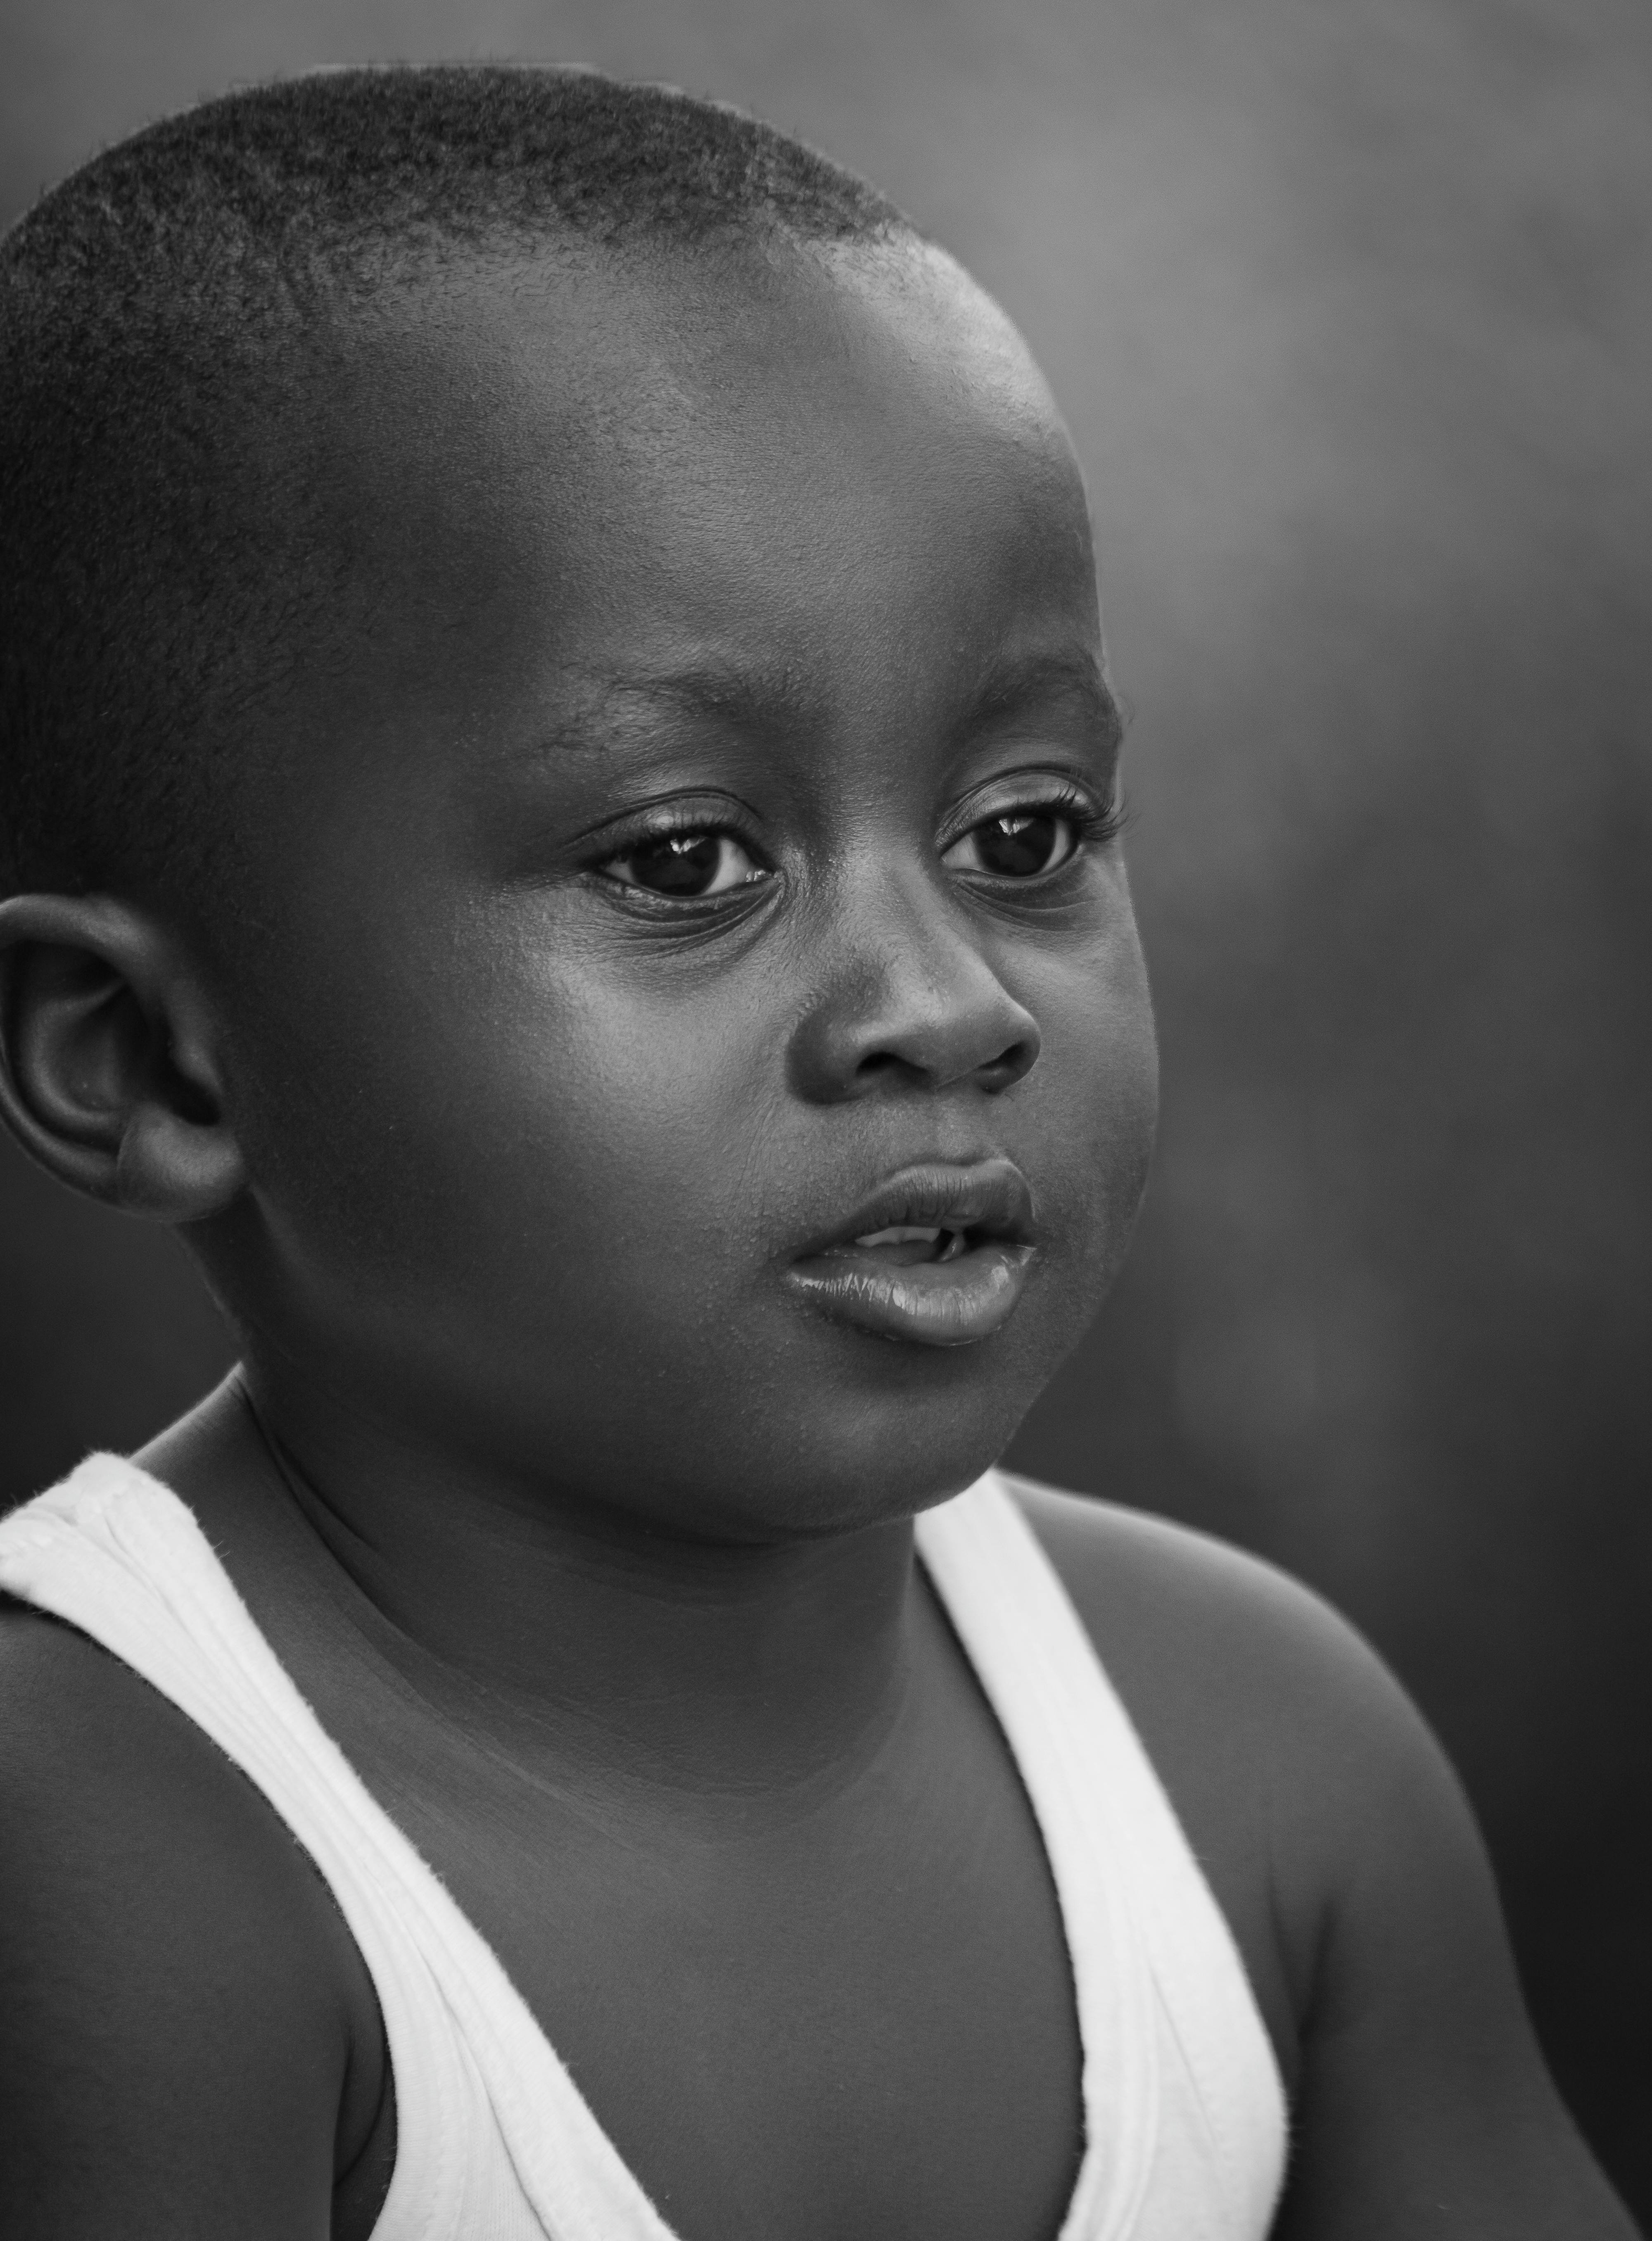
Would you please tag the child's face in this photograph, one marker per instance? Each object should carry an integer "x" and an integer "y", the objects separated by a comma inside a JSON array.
[{"x": 632, "y": 906}]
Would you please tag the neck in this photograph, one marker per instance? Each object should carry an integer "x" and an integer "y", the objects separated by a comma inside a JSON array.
[{"x": 724, "y": 1670}]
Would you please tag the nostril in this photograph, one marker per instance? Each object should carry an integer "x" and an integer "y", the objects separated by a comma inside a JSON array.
[
  {"x": 878, "y": 1064},
  {"x": 1011, "y": 1065}
]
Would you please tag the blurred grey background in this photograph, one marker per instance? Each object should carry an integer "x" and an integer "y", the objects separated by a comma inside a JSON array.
[{"x": 1350, "y": 308}]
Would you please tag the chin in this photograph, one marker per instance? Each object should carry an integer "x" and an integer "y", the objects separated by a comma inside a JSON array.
[
  {"x": 865, "y": 1430},
  {"x": 856, "y": 1461}
]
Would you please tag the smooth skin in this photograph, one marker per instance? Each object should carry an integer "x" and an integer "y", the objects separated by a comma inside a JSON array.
[{"x": 585, "y": 1533}]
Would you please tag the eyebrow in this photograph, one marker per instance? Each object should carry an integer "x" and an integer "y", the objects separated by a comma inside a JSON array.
[
  {"x": 1009, "y": 683},
  {"x": 743, "y": 696}
]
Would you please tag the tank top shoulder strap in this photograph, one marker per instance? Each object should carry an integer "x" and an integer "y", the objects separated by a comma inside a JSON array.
[
  {"x": 494, "y": 2142},
  {"x": 1180, "y": 2078}
]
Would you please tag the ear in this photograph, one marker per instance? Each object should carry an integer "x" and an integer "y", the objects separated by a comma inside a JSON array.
[{"x": 109, "y": 1075}]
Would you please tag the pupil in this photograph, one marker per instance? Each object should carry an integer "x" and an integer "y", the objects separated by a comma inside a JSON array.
[
  {"x": 1017, "y": 846},
  {"x": 678, "y": 863}
]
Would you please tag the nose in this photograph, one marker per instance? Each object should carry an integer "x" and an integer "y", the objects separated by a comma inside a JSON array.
[{"x": 907, "y": 998}]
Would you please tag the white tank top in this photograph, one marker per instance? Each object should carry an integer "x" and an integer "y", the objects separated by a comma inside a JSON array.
[{"x": 1185, "y": 2127}]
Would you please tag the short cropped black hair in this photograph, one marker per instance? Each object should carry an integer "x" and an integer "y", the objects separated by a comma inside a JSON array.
[{"x": 156, "y": 309}]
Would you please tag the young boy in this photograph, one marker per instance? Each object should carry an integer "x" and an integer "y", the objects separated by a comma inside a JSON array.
[{"x": 563, "y": 820}]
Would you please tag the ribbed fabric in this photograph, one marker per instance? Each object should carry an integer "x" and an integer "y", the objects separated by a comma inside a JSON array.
[{"x": 1184, "y": 2113}]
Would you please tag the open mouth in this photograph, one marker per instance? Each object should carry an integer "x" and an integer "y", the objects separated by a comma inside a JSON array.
[
  {"x": 912, "y": 1247},
  {"x": 938, "y": 1254}
]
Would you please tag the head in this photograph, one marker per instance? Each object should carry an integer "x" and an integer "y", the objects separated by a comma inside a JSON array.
[{"x": 555, "y": 742}]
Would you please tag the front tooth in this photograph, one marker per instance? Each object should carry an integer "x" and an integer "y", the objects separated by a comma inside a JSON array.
[{"x": 899, "y": 1237}]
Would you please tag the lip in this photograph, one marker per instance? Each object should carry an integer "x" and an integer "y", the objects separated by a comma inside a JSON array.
[{"x": 957, "y": 1301}]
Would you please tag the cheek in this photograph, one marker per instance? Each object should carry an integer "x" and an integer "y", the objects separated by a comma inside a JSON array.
[
  {"x": 519, "y": 1143},
  {"x": 624, "y": 1122},
  {"x": 1096, "y": 1107}
]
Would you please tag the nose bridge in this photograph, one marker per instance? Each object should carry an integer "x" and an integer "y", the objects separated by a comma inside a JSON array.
[{"x": 905, "y": 991}]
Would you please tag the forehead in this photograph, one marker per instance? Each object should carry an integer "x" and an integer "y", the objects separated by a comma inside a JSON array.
[{"x": 679, "y": 446}]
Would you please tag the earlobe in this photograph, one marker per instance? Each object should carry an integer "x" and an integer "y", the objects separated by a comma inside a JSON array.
[{"x": 108, "y": 1076}]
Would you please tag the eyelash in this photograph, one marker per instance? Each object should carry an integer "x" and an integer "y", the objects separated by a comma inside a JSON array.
[{"x": 1093, "y": 828}]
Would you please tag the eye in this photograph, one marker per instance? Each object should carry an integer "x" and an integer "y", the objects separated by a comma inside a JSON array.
[
  {"x": 686, "y": 866},
  {"x": 1018, "y": 844}
]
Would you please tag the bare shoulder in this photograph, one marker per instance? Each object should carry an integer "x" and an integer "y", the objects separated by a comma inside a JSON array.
[
  {"x": 1340, "y": 1845},
  {"x": 184, "y": 2042},
  {"x": 1231, "y": 1668},
  {"x": 1153, "y": 1587}
]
